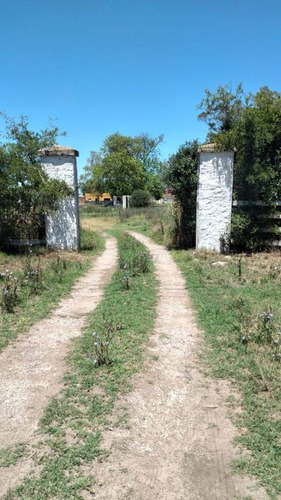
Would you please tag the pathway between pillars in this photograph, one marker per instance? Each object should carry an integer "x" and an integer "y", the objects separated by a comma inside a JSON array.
[
  {"x": 31, "y": 370},
  {"x": 177, "y": 441}
]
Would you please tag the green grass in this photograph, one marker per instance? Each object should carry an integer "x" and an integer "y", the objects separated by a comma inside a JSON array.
[
  {"x": 243, "y": 347},
  {"x": 53, "y": 276},
  {"x": 157, "y": 221},
  {"x": 10, "y": 456},
  {"x": 73, "y": 422}
]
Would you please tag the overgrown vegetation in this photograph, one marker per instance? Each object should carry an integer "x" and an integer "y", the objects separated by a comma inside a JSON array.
[
  {"x": 31, "y": 283},
  {"x": 73, "y": 422},
  {"x": 181, "y": 176},
  {"x": 158, "y": 222},
  {"x": 26, "y": 190},
  {"x": 237, "y": 302},
  {"x": 251, "y": 124}
]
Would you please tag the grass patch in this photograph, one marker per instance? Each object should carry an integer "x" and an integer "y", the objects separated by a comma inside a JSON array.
[
  {"x": 73, "y": 422},
  {"x": 238, "y": 304},
  {"x": 10, "y": 456},
  {"x": 157, "y": 222},
  {"x": 32, "y": 284}
]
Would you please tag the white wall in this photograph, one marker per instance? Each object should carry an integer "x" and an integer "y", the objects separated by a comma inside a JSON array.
[
  {"x": 62, "y": 227},
  {"x": 214, "y": 198}
]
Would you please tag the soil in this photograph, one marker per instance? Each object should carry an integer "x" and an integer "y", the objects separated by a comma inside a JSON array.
[{"x": 176, "y": 443}]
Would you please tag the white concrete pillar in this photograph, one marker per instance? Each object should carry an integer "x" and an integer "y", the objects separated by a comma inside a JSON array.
[
  {"x": 125, "y": 201},
  {"x": 62, "y": 227},
  {"x": 214, "y": 197}
]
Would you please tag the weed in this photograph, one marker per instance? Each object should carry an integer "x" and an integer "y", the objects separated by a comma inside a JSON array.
[
  {"x": 9, "y": 291},
  {"x": 125, "y": 279},
  {"x": 265, "y": 328},
  {"x": 32, "y": 276},
  {"x": 103, "y": 341}
]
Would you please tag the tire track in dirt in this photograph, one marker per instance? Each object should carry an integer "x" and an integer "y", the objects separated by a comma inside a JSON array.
[
  {"x": 31, "y": 369},
  {"x": 178, "y": 443}
]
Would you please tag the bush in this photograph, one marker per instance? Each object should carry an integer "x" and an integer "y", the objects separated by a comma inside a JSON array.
[
  {"x": 140, "y": 198},
  {"x": 252, "y": 229}
]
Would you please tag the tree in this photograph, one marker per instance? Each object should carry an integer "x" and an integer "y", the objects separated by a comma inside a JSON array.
[
  {"x": 181, "y": 176},
  {"x": 125, "y": 164},
  {"x": 25, "y": 188},
  {"x": 254, "y": 129},
  {"x": 222, "y": 109},
  {"x": 119, "y": 174},
  {"x": 87, "y": 183}
]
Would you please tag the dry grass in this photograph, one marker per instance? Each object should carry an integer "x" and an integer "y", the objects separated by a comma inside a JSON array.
[{"x": 99, "y": 223}]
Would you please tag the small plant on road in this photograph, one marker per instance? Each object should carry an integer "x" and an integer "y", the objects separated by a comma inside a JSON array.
[
  {"x": 102, "y": 341},
  {"x": 9, "y": 291}
]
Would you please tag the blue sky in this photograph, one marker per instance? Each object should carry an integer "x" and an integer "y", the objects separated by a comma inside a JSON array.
[{"x": 102, "y": 66}]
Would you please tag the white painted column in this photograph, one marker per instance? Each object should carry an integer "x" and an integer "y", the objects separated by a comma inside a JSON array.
[
  {"x": 125, "y": 201},
  {"x": 214, "y": 197},
  {"x": 62, "y": 227}
]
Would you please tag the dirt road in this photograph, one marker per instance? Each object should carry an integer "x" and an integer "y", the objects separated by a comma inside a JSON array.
[
  {"x": 178, "y": 444},
  {"x": 31, "y": 370}
]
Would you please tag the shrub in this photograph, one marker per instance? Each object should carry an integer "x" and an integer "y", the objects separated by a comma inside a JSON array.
[
  {"x": 140, "y": 198},
  {"x": 252, "y": 228}
]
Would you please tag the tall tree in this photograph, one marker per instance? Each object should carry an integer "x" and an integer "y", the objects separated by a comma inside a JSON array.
[
  {"x": 119, "y": 174},
  {"x": 125, "y": 164},
  {"x": 87, "y": 179},
  {"x": 223, "y": 108}
]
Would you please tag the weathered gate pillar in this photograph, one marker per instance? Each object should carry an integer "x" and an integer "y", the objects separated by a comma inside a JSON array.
[
  {"x": 125, "y": 201},
  {"x": 62, "y": 227},
  {"x": 214, "y": 197}
]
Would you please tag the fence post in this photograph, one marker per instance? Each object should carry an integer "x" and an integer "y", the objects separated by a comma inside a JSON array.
[
  {"x": 125, "y": 201},
  {"x": 62, "y": 227},
  {"x": 214, "y": 197}
]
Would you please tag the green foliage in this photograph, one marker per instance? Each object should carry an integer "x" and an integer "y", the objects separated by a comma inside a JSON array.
[
  {"x": 87, "y": 180},
  {"x": 26, "y": 190},
  {"x": 140, "y": 198},
  {"x": 222, "y": 109},
  {"x": 90, "y": 241},
  {"x": 120, "y": 174},
  {"x": 251, "y": 124},
  {"x": 123, "y": 165},
  {"x": 248, "y": 224},
  {"x": 181, "y": 176}
]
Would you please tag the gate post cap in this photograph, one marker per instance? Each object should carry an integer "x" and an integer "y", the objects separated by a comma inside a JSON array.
[
  {"x": 58, "y": 150},
  {"x": 212, "y": 147}
]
